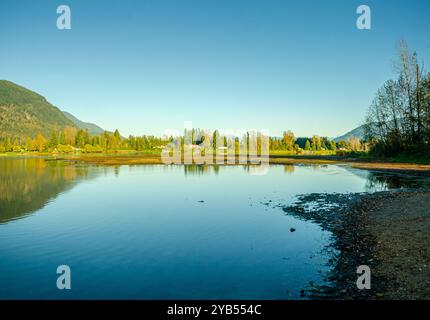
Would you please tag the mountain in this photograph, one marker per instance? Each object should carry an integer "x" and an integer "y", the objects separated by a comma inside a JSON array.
[
  {"x": 357, "y": 132},
  {"x": 93, "y": 129},
  {"x": 25, "y": 113}
]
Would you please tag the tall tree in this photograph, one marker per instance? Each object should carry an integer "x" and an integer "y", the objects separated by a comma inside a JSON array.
[
  {"x": 40, "y": 142},
  {"x": 53, "y": 141}
]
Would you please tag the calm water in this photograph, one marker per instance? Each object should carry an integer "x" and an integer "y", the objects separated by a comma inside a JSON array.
[{"x": 164, "y": 232}]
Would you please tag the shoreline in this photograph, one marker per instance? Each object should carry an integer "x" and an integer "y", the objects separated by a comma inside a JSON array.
[
  {"x": 353, "y": 162},
  {"x": 116, "y": 159},
  {"x": 142, "y": 159},
  {"x": 388, "y": 231}
]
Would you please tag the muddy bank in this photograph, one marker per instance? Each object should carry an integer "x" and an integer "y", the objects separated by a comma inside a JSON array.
[
  {"x": 355, "y": 163},
  {"x": 113, "y": 160},
  {"x": 388, "y": 231}
]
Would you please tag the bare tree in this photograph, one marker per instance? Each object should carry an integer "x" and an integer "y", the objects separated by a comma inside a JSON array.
[{"x": 399, "y": 115}]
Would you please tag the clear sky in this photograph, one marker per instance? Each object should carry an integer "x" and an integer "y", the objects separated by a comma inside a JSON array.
[{"x": 145, "y": 66}]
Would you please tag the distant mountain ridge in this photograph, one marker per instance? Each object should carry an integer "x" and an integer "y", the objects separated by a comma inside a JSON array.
[
  {"x": 357, "y": 133},
  {"x": 93, "y": 129},
  {"x": 24, "y": 113}
]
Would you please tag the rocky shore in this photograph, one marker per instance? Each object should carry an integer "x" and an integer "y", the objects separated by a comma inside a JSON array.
[{"x": 388, "y": 231}]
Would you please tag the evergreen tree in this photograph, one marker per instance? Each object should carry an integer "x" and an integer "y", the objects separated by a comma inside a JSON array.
[
  {"x": 62, "y": 138},
  {"x": 308, "y": 145},
  {"x": 316, "y": 143},
  {"x": 53, "y": 141},
  {"x": 80, "y": 139},
  {"x": 7, "y": 144}
]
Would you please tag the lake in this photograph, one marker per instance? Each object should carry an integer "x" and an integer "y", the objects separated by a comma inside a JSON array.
[{"x": 166, "y": 232}]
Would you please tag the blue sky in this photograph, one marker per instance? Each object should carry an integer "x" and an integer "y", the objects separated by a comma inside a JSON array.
[{"x": 146, "y": 66}]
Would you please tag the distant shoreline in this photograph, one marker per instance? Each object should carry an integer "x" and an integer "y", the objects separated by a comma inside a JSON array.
[
  {"x": 367, "y": 163},
  {"x": 155, "y": 158}
]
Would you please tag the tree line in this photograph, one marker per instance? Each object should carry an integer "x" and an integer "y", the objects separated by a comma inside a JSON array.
[
  {"x": 398, "y": 119},
  {"x": 71, "y": 139},
  {"x": 288, "y": 142}
]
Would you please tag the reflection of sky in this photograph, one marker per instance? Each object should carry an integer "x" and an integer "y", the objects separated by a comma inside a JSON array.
[{"x": 143, "y": 232}]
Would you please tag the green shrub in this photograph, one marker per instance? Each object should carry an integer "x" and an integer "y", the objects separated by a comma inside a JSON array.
[
  {"x": 91, "y": 149},
  {"x": 64, "y": 148}
]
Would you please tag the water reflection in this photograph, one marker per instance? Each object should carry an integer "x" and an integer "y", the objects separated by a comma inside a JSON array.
[
  {"x": 289, "y": 168},
  {"x": 199, "y": 170},
  {"x": 381, "y": 181},
  {"x": 26, "y": 185},
  {"x": 313, "y": 166},
  {"x": 391, "y": 180},
  {"x": 192, "y": 229}
]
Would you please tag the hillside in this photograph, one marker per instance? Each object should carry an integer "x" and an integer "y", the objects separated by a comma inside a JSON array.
[
  {"x": 26, "y": 113},
  {"x": 357, "y": 132},
  {"x": 93, "y": 129}
]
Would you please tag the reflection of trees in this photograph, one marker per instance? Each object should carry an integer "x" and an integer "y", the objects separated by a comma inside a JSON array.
[
  {"x": 197, "y": 170},
  {"x": 289, "y": 168},
  {"x": 377, "y": 181},
  {"x": 26, "y": 185},
  {"x": 318, "y": 167},
  {"x": 216, "y": 169},
  {"x": 314, "y": 166}
]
